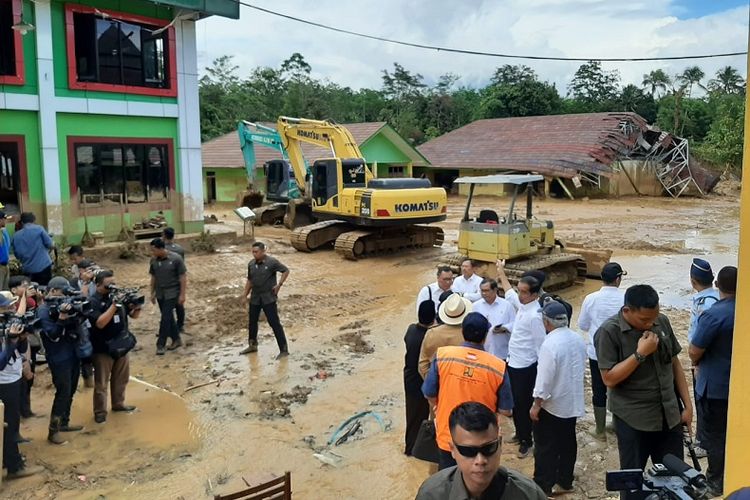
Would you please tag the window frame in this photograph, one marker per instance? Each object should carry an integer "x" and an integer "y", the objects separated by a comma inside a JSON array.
[
  {"x": 23, "y": 171},
  {"x": 20, "y": 77},
  {"x": 167, "y": 142},
  {"x": 171, "y": 53}
]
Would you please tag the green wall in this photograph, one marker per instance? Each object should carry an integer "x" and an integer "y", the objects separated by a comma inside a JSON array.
[
  {"x": 26, "y": 123},
  {"x": 229, "y": 182},
  {"x": 31, "y": 85},
  {"x": 381, "y": 150}
]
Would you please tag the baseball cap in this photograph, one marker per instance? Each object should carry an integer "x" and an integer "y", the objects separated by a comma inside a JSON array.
[
  {"x": 554, "y": 310},
  {"x": 7, "y": 299},
  {"x": 475, "y": 323},
  {"x": 58, "y": 283},
  {"x": 611, "y": 271}
]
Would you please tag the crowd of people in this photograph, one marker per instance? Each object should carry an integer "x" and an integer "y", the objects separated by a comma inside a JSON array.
[{"x": 483, "y": 350}]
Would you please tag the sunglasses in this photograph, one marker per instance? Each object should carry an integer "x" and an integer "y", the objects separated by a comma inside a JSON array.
[{"x": 486, "y": 450}]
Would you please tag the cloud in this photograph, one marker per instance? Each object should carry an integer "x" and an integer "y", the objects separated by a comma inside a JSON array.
[{"x": 570, "y": 28}]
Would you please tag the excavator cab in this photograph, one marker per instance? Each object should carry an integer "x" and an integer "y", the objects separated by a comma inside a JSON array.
[{"x": 280, "y": 181}]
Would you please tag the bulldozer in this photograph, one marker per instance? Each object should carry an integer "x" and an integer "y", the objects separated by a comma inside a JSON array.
[{"x": 525, "y": 242}]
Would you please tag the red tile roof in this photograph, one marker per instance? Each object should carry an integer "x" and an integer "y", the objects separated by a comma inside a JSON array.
[
  {"x": 224, "y": 151},
  {"x": 559, "y": 145}
]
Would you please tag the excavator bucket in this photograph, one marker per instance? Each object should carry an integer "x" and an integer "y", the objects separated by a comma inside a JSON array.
[{"x": 298, "y": 214}]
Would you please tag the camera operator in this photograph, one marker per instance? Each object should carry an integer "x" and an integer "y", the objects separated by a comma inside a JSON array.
[
  {"x": 111, "y": 341},
  {"x": 61, "y": 331},
  {"x": 11, "y": 366}
]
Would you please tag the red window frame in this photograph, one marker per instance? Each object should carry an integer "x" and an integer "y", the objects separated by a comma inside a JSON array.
[
  {"x": 19, "y": 78},
  {"x": 23, "y": 173},
  {"x": 73, "y": 83},
  {"x": 73, "y": 179}
]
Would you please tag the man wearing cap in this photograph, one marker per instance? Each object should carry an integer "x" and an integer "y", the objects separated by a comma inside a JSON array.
[
  {"x": 711, "y": 351},
  {"x": 596, "y": 309},
  {"x": 4, "y": 252},
  {"x": 434, "y": 290},
  {"x": 452, "y": 312},
  {"x": 60, "y": 338},
  {"x": 31, "y": 246},
  {"x": 523, "y": 351},
  {"x": 168, "y": 284},
  {"x": 500, "y": 314},
  {"x": 558, "y": 400},
  {"x": 467, "y": 284},
  {"x": 461, "y": 374}
]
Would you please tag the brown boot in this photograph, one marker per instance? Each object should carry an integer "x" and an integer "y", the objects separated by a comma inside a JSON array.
[{"x": 54, "y": 435}]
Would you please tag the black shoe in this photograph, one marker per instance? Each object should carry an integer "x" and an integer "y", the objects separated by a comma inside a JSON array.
[
  {"x": 282, "y": 355},
  {"x": 249, "y": 349},
  {"x": 22, "y": 439},
  {"x": 175, "y": 344},
  {"x": 100, "y": 418},
  {"x": 524, "y": 450},
  {"x": 124, "y": 408},
  {"x": 160, "y": 351},
  {"x": 70, "y": 428}
]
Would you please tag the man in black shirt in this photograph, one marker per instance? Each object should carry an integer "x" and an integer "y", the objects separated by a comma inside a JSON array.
[
  {"x": 168, "y": 236},
  {"x": 168, "y": 284},
  {"x": 109, "y": 322},
  {"x": 417, "y": 407}
]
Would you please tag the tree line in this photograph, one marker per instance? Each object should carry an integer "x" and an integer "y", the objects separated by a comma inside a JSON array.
[{"x": 709, "y": 111}]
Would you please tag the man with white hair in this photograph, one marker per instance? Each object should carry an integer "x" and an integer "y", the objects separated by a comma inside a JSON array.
[{"x": 558, "y": 401}]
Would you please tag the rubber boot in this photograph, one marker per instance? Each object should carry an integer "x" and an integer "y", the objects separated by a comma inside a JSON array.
[
  {"x": 54, "y": 435},
  {"x": 600, "y": 417}
]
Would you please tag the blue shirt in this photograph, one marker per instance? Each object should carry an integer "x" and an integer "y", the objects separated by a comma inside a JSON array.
[
  {"x": 700, "y": 303},
  {"x": 31, "y": 246},
  {"x": 714, "y": 334},
  {"x": 432, "y": 383},
  {"x": 5, "y": 247},
  {"x": 58, "y": 347}
]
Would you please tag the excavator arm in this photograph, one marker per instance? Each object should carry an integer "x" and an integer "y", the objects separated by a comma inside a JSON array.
[{"x": 254, "y": 133}]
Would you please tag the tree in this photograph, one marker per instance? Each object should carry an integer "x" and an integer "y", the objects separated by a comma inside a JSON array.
[
  {"x": 401, "y": 83},
  {"x": 691, "y": 76},
  {"x": 634, "y": 99},
  {"x": 656, "y": 81},
  {"x": 594, "y": 88},
  {"x": 723, "y": 144},
  {"x": 727, "y": 81},
  {"x": 512, "y": 75}
]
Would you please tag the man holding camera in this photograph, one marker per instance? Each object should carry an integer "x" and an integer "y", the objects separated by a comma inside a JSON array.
[
  {"x": 61, "y": 330},
  {"x": 168, "y": 284},
  {"x": 111, "y": 341}
]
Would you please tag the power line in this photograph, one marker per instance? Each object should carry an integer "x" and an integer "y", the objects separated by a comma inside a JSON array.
[{"x": 482, "y": 53}]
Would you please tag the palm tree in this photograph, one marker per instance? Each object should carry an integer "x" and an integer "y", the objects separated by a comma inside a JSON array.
[
  {"x": 655, "y": 81},
  {"x": 727, "y": 81},
  {"x": 691, "y": 76}
]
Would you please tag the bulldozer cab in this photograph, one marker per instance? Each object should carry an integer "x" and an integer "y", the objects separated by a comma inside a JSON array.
[{"x": 487, "y": 234}]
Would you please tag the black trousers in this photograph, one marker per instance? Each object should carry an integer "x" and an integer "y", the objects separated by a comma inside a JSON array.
[
  {"x": 167, "y": 325},
  {"x": 65, "y": 379},
  {"x": 713, "y": 422},
  {"x": 417, "y": 411},
  {"x": 636, "y": 447},
  {"x": 446, "y": 460},
  {"x": 87, "y": 367},
  {"x": 180, "y": 310},
  {"x": 699, "y": 418},
  {"x": 26, "y": 385},
  {"x": 42, "y": 277},
  {"x": 522, "y": 382},
  {"x": 272, "y": 315},
  {"x": 555, "y": 450},
  {"x": 10, "y": 394},
  {"x": 598, "y": 389}
]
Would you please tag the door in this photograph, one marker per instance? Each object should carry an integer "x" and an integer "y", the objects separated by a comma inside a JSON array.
[
  {"x": 10, "y": 165},
  {"x": 211, "y": 186}
]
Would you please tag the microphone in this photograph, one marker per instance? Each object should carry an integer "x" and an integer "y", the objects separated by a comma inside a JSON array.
[{"x": 687, "y": 473}]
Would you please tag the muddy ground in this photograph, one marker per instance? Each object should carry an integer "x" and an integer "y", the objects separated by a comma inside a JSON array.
[{"x": 345, "y": 322}]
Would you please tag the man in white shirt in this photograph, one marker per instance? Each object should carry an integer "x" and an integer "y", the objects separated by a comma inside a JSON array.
[
  {"x": 467, "y": 284},
  {"x": 434, "y": 290},
  {"x": 500, "y": 314},
  {"x": 596, "y": 309},
  {"x": 558, "y": 401},
  {"x": 526, "y": 337}
]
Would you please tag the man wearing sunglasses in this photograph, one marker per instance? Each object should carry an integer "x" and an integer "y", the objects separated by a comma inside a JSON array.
[{"x": 476, "y": 440}]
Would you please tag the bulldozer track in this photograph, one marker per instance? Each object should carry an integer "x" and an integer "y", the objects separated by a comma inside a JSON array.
[
  {"x": 314, "y": 236},
  {"x": 355, "y": 245}
]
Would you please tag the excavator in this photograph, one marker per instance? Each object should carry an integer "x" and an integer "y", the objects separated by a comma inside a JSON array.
[
  {"x": 357, "y": 213},
  {"x": 524, "y": 242}
]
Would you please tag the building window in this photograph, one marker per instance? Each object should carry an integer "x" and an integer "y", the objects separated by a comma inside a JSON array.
[
  {"x": 114, "y": 174},
  {"x": 396, "y": 171},
  {"x": 11, "y": 49},
  {"x": 117, "y": 52}
]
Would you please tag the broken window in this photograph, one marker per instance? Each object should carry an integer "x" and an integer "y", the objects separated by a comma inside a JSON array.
[
  {"x": 7, "y": 39},
  {"x": 114, "y": 174},
  {"x": 118, "y": 52}
]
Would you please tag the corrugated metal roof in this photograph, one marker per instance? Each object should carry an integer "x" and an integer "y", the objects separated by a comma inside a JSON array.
[{"x": 556, "y": 145}]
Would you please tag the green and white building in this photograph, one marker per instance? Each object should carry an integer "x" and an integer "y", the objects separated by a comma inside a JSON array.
[{"x": 99, "y": 114}]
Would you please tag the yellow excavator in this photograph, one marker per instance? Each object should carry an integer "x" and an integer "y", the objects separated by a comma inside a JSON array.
[
  {"x": 359, "y": 214},
  {"x": 524, "y": 242}
]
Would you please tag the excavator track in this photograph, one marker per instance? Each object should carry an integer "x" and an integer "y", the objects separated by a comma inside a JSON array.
[
  {"x": 270, "y": 214},
  {"x": 314, "y": 236},
  {"x": 355, "y": 245}
]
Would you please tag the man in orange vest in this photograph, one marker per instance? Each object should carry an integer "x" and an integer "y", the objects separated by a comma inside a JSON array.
[{"x": 465, "y": 373}]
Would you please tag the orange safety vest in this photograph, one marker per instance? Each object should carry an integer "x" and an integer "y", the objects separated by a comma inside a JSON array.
[{"x": 464, "y": 375}]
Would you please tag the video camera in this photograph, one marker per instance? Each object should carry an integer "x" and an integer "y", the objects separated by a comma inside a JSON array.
[
  {"x": 72, "y": 303},
  {"x": 28, "y": 321},
  {"x": 672, "y": 479},
  {"x": 127, "y": 296}
]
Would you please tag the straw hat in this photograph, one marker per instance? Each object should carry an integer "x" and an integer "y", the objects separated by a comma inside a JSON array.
[{"x": 454, "y": 309}]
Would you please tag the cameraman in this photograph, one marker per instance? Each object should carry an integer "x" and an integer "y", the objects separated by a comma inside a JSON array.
[
  {"x": 11, "y": 366},
  {"x": 60, "y": 338},
  {"x": 109, "y": 326}
]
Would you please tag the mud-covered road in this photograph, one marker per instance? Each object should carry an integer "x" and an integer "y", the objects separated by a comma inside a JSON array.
[{"x": 345, "y": 322}]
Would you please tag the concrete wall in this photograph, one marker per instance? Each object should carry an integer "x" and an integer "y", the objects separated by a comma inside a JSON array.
[
  {"x": 642, "y": 174},
  {"x": 229, "y": 182}
]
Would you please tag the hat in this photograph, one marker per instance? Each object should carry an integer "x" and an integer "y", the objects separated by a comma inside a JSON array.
[
  {"x": 475, "y": 323},
  {"x": 554, "y": 310},
  {"x": 611, "y": 271},
  {"x": 454, "y": 309},
  {"x": 7, "y": 299},
  {"x": 536, "y": 274},
  {"x": 58, "y": 283},
  {"x": 85, "y": 264},
  {"x": 701, "y": 270},
  {"x": 426, "y": 312}
]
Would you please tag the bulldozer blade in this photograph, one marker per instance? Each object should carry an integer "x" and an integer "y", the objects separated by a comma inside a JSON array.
[{"x": 595, "y": 258}]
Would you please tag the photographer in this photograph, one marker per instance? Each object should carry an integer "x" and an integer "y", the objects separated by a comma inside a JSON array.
[
  {"x": 62, "y": 330},
  {"x": 11, "y": 366},
  {"x": 111, "y": 341}
]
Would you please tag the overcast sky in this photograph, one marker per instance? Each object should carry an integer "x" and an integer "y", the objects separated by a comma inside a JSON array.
[{"x": 569, "y": 28}]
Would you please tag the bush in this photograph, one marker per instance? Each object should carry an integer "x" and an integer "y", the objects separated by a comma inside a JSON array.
[{"x": 205, "y": 243}]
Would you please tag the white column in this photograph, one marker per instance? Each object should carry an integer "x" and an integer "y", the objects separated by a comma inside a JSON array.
[
  {"x": 48, "y": 118},
  {"x": 189, "y": 151}
]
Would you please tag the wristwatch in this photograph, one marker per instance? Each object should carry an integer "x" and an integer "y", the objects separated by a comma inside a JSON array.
[{"x": 639, "y": 357}]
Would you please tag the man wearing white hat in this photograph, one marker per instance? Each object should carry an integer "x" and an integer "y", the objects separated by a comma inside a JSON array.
[{"x": 451, "y": 312}]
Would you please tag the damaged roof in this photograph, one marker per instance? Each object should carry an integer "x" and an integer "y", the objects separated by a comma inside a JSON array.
[{"x": 555, "y": 145}]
